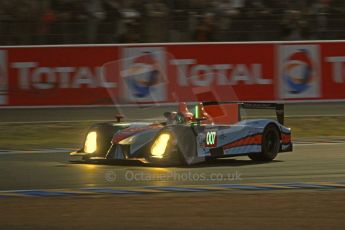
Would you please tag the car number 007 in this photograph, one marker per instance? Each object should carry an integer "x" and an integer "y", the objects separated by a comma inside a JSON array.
[{"x": 211, "y": 138}]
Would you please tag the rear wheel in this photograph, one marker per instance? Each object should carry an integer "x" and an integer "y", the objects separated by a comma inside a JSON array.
[{"x": 270, "y": 145}]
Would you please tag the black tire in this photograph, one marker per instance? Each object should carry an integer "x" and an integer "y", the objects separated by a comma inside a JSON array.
[{"x": 270, "y": 145}]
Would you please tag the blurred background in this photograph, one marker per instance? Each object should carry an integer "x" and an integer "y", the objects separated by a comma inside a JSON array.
[{"x": 38, "y": 22}]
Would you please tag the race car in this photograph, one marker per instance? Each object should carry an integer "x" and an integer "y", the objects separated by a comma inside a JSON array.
[{"x": 213, "y": 130}]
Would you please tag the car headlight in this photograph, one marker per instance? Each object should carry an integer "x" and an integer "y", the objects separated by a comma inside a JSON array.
[
  {"x": 159, "y": 146},
  {"x": 90, "y": 145}
]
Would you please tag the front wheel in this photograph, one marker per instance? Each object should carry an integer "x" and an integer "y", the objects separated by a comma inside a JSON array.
[{"x": 270, "y": 145}]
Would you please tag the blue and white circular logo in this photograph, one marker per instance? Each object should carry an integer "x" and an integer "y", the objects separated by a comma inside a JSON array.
[{"x": 298, "y": 71}]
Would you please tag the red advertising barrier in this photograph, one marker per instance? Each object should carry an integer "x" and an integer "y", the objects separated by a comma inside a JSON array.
[
  {"x": 56, "y": 76},
  {"x": 333, "y": 71},
  {"x": 105, "y": 75},
  {"x": 191, "y": 72}
]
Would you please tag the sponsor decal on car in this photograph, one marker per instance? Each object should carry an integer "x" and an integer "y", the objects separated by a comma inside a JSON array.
[{"x": 211, "y": 139}]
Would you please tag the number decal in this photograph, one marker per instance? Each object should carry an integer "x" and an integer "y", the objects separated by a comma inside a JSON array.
[{"x": 211, "y": 139}]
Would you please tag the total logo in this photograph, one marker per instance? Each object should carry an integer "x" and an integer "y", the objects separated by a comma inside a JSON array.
[
  {"x": 33, "y": 76},
  {"x": 142, "y": 74},
  {"x": 299, "y": 75},
  {"x": 298, "y": 71}
]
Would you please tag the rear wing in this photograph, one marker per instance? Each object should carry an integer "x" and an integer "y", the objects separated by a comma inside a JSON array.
[
  {"x": 235, "y": 107},
  {"x": 278, "y": 107}
]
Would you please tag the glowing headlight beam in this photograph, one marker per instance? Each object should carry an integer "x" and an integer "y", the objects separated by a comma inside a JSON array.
[
  {"x": 159, "y": 146},
  {"x": 90, "y": 145}
]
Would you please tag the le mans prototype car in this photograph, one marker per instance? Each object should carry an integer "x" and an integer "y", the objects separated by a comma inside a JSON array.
[{"x": 213, "y": 130}]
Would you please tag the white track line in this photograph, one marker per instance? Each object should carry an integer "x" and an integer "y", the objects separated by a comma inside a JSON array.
[
  {"x": 57, "y": 150},
  {"x": 299, "y": 116},
  {"x": 163, "y": 104},
  {"x": 319, "y": 143},
  {"x": 154, "y": 119},
  {"x": 76, "y": 121}
]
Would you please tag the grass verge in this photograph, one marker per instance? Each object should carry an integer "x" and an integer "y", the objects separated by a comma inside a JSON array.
[{"x": 71, "y": 134}]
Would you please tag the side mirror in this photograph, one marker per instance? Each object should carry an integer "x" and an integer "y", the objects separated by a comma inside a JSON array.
[{"x": 118, "y": 117}]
